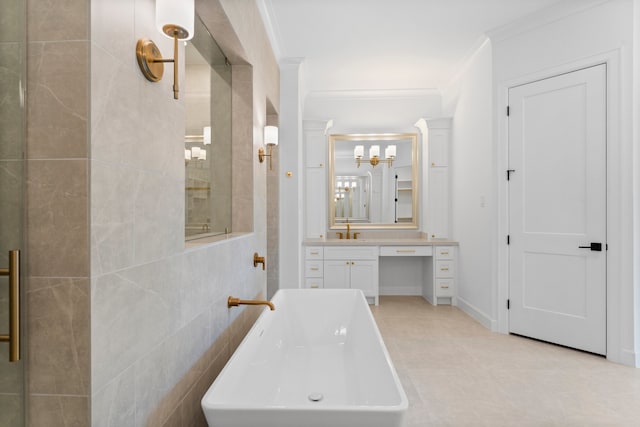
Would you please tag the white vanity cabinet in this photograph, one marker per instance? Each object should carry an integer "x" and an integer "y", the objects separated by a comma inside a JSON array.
[
  {"x": 389, "y": 268},
  {"x": 438, "y": 141},
  {"x": 315, "y": 179},
  {"x": 352, "y": 267},
  {"x": 314, "y": 267},
  {"x": 444, "y": 272}
]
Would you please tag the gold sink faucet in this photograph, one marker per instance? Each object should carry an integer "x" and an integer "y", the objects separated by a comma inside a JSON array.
[
  {"x": 234, "y": 302},
  {"x": 348, "y": 230}
]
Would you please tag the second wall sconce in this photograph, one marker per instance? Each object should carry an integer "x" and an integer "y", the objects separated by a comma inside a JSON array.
[
  {"x": 175, "y": 19},
  {"x": 270, "y": 140},
  {"x": 374, "y": 155}
]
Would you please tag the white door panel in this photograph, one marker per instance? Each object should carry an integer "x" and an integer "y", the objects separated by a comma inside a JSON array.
[{"x": 557, "y": 203}]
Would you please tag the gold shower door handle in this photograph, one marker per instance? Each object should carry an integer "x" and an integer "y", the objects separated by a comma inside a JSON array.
[{"x": 13, "y": 338}]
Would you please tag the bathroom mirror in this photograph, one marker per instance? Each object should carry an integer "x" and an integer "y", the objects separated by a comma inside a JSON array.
[
  {"x": 207, "y": 98},
  {"x": 373, "y": 180}
]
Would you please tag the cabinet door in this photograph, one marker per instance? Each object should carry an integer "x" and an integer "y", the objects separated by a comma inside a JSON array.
[
  {"x": 336, "y": 274},
  {"x": 439, "y": 147},
  {"x": 439, "y": 203},
  {"x": 315, "y": 196},
  {"x": 364, "y": 275},
  {"x": 315, "y": 148}
]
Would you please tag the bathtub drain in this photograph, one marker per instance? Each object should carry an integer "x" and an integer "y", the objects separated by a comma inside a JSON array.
[{"x": 315, "y": 397}]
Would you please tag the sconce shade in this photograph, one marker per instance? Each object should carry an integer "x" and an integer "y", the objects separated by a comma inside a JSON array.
[
  {"x": 271, "y": 135},
  {"x": 358, "y": 151},
  {"x": 174, "y": 15},
  {"x": 374, "y": 151},
  {"x": 390, "y": 152},
  {"x": 206, "y": 135}
]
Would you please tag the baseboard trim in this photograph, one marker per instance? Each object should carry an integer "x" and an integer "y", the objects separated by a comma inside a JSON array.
[
  {"x": 401, "y": 290},
  {"x": 477, "y": 314},
  {"x": 629, "y": 358}
]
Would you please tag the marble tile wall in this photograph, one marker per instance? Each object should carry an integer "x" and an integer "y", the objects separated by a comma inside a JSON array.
[
  {"x": 160, "y": 328},
  {"x": 122, "y": 317},
  {"x": 57, "y": 183},
  {"x": 12, "y": 54}
]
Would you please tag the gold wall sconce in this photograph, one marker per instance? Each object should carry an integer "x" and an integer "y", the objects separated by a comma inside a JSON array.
[
  {"x": 175, "y": 19},
  {"x": 374, "y": 155},
  {"x": 270, "y": 140}
]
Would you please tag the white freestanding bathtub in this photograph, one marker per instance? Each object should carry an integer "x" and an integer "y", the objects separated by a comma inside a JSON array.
[{"x": 318, "y": 360}]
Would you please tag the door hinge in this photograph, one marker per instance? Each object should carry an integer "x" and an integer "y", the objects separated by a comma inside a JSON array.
[
  {"x": 508, "y": 239},
  {"x": 508, "y": 304},
  {"x": 509, "y": 172},
  {"x": 508, "y": 111}
]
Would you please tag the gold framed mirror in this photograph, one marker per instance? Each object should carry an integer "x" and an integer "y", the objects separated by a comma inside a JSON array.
[{"x": 373, "y": 181}]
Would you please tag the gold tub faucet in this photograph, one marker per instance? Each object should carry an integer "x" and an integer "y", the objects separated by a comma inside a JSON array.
[{"x": 234, "y": 302}]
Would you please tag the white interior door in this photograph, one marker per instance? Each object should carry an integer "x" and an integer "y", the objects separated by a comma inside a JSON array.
[{"x": 557, "y": 209}]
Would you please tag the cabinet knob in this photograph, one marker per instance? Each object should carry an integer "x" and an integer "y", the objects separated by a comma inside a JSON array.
[{"x": 347, "y": 263}]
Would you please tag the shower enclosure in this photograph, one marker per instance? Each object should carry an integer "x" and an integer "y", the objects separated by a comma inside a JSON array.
[{"x": 12, "y": 170}]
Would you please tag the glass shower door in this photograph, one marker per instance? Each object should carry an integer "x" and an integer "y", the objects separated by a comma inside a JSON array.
[{"x": 12, "y": 168}]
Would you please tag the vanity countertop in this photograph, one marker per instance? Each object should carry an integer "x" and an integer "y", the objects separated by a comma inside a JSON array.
[{"x": 378, "y": 242}]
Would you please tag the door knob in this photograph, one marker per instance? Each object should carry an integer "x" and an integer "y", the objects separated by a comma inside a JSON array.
[{"x": 593, "y": 246}]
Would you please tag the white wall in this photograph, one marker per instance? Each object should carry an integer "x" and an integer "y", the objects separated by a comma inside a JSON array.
[
  {"x": 636, "y": 172},
  {"x": 290, "y": 158},
  {"x": 389, "y": 111},
  {"x": 559, "y": 43},
  {"x": 468, "y": 99}
]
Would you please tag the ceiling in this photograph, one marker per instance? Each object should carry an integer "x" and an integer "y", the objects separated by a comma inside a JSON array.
[{"x": 352, "y": 45}]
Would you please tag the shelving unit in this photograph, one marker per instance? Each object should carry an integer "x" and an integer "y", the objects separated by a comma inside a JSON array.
[{"x": 404, "y": 199}]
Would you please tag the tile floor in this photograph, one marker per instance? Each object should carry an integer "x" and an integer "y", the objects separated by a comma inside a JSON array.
[{"x": 457, "y": 373}]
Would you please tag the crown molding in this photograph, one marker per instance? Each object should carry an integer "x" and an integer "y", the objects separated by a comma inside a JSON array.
[
  {"x": 541, "y": 18},
  {"x": 271, "y": 26}
]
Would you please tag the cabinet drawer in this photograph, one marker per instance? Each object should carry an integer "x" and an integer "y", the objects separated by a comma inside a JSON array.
[
  {"x": 444, "y": 252},
  {"x": 444, "y": 287},
  {"x": 406, "y": 251},
  {"x": 444, "y": 269},
  {"x": 313, "y": 283},
  {"x": 313, "y": 268},
  {"x": 313, "y": 252},
  {"x": 351, "y": 252}
]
